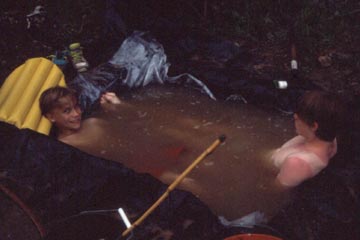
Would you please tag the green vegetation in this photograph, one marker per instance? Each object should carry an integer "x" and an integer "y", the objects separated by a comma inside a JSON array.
[
  {"x": 317, "y": 27},
  {"x": 318, "y": 23}
]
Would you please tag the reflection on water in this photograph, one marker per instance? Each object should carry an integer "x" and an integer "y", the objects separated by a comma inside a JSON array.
[{"x": 162, "y": 130}]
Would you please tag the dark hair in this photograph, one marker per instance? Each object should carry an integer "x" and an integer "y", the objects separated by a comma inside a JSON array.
[
  {"x": 49, "y": 99},
  {"x": 326, "y": 109}
]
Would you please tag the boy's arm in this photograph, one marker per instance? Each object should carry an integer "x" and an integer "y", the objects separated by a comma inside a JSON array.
[{"x": 109, "y": 97}]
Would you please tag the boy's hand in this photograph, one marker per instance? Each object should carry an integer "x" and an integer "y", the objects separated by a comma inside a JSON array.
[{"x": 109, "y": 97}]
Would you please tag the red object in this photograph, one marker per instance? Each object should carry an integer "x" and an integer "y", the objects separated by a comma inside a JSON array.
[
  {"x": 250, "y": 236},
  {"x": 162, "y": 160},
  {"x": 173, "y": 152}
]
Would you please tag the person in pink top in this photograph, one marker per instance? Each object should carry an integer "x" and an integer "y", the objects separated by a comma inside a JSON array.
[{"x": 317, "y": 123}]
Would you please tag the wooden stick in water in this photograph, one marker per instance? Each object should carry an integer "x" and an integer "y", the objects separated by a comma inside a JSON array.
[{"x": 176, "y": 182}]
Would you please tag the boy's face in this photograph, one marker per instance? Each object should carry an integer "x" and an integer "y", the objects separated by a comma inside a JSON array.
[{"x": 67, "y": 115}]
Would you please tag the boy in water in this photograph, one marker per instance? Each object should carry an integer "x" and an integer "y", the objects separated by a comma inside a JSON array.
[
  {"x": 317, "y": 123},
  {"x": 60, "y": 106}
]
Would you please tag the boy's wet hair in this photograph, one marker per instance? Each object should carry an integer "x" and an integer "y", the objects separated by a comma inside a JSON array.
[
  {"x": 49, "y": 99},
  {"x": 324, "y": 108}
]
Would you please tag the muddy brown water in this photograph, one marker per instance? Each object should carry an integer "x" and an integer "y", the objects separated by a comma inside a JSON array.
[{"x": 161, "y": 130}]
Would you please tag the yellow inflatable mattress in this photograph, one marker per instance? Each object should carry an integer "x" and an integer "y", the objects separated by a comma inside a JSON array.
[{"x": 20, "y": 93}]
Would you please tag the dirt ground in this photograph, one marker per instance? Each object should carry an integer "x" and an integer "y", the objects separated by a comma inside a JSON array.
[{"x": 333, "y": 67}]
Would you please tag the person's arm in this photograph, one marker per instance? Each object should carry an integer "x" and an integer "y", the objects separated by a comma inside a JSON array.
[
  {"x": 109, "y": 97},
  {"x": 293, "y": 172},
  {"x": 109, "y": 101}
]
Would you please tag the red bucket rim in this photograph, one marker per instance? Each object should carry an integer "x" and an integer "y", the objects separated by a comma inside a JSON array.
[{"x": 252, "y": 235}]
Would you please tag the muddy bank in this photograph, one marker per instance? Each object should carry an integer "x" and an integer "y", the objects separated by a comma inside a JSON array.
[{"x": 327, "y": 56}]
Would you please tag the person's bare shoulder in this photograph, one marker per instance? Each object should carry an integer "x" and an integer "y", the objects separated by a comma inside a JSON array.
[
  {"x": 91, "y": 130},
  {"x": 293, "y": 172}
]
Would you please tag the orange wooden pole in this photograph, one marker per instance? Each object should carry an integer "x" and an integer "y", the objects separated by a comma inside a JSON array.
[{"x": 176, "y": 182}]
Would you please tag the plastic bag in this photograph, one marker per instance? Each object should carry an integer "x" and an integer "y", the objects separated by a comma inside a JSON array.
[{"x": 248, "y": 221}]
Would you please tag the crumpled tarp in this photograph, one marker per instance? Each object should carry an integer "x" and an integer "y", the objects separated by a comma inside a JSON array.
[
  {"x": 139, "y": 61},
  {"x": 59, "y": 182},
  {"x": 326, "y": 207}
]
